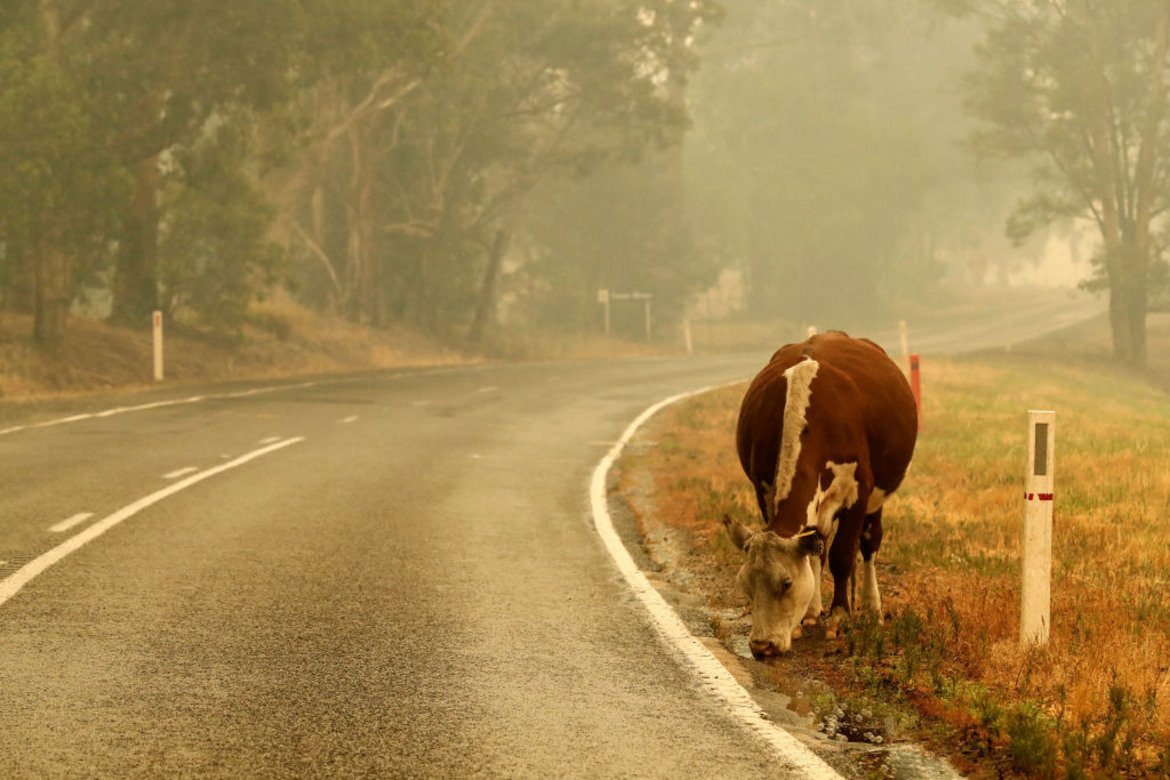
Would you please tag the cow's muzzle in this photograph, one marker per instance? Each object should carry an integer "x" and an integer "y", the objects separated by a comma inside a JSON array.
[{"x": 764, "y": 649}]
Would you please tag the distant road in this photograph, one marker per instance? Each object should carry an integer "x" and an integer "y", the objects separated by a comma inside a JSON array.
[
  {"x": 1013, "y": 320},
  {"x": 392, "y": 574}
]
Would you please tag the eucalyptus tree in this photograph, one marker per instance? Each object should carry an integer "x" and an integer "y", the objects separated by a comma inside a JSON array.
[
  {"x": 358, "y": 62},
  {"x": 101, "y": 99},
  {"x": 548, "y": 89},
  {"x": 168, "y": 72},
  {"x": 1078, "y": 88},
  {"x": 58, "y": 177}
]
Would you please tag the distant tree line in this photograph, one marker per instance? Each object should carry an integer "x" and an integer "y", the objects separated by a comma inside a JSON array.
[
  {"x": 437, "y": 162},
  {"x": 381, "y": 157}
]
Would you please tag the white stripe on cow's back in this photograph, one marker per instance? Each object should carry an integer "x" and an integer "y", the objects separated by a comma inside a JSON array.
[{"x": 799, "y": 377}]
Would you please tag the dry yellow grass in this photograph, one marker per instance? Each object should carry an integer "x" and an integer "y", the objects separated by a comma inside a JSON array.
[{"x": 951, "y": 552}]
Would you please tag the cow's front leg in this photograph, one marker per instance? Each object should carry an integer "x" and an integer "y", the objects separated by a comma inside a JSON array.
[{"x": 816, "y": 603}]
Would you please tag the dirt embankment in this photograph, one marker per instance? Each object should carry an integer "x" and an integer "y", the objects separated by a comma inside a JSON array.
[{"x": 278, "y": 341}]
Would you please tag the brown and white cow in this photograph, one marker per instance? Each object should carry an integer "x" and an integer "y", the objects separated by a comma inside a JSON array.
[{"x": 826, "y": 431}]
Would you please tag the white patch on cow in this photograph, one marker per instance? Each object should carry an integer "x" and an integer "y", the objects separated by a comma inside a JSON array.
[
  {"x": 799, "y": 378},
  {"x": 841, "y": 493},
  {"x": 871, "y": 598},
  {"x": 877, "y": 500}
]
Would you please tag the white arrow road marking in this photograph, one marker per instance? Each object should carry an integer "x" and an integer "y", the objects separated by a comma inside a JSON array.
[
  {"x": 68, "y": 523},
  {"x": 714, "y": 677},
  {"x": 11, "y": 585},
  {"x": 180, "y": 472}
]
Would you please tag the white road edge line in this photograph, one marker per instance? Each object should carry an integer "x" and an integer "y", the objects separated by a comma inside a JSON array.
[
  {"x": 180, "y": 472},
  {"x": 713, "y": 676},
  {"x": 12, "y": 584},
  {"x": 68, "y": 523},
  {"x": 269, "y": 440}
]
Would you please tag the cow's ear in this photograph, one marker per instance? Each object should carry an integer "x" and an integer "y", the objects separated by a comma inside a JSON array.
[
  {"x": 810, "y": 542},
  {"x": 738, "y": 532}
]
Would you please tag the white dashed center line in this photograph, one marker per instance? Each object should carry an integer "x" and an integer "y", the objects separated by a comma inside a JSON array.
[
  {"x": 68, "y": 523},
  {"x": 269, "y": 440},
  {"x": 12, "y": 584},
  {"x": 351, "y": 418},
  {"x": 181, "y": 472}
]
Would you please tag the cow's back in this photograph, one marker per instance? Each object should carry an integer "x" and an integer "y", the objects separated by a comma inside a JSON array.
[{"x": 858, "y": 392}]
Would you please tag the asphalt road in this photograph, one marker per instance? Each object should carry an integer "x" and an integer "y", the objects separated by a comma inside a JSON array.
[
  {"x": 414, "y": 588},
  {"x": 392, "y": 574}
]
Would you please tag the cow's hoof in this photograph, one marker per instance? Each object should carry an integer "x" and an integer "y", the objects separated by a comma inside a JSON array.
[
  {"x": 832, "y": 632},
  {"x": 797, "y": 632},
  {"x": 809, "y": 620}
]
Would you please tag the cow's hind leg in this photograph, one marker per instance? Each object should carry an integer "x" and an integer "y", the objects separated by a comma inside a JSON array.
[
  {"x": 842, "y": 560},
  {"x": 871, "y": 542}
]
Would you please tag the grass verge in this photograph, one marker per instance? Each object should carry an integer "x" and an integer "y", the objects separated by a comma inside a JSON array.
[{"x": 1096, "y": 700}]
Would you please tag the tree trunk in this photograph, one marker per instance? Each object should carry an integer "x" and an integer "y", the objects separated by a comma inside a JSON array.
[
  {"x": 52, "y": 289},
  {"x": 1136, "y": 264},
  {"x": 485, "y": 305},
  {"x": 54, "y": 294},
  {"x": 361, "y": 274},
  {"x": 136, "y": 273}
]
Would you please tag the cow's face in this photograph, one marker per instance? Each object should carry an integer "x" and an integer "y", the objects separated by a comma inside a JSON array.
[{"x": 778, "y": 580}]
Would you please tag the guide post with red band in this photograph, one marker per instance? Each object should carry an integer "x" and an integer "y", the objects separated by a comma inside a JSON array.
[{"x": 1036, "y": 556}]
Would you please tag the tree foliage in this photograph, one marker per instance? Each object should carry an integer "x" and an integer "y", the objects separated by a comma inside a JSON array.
[
  {"x": 169, "y": 153},
  {"x": 1078, "y": 88},
  {"x": 814, "y": 149}
]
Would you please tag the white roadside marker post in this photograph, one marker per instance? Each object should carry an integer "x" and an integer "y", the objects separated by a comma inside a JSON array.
[
  {"x": 1036, "y": 590},
  {"x": 158, "y": 346}
]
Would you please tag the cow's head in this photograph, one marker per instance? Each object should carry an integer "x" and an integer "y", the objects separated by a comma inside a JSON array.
[{"x": 777, "y": 578}]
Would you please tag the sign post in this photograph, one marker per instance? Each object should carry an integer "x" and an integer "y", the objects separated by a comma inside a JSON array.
[
  {"x": 158, "y": 345},
  {"x": 605, "y": 296},
  {"x": 603, "y": 299},
  {"x": 1036, "y": 556}
]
